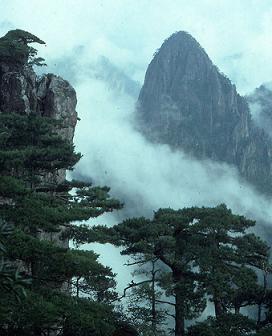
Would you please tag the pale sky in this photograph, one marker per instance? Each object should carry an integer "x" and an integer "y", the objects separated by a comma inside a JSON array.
[{"x": 235, "y": 33}]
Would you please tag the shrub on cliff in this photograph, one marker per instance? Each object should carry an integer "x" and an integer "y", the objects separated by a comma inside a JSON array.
[{"x": 14, "y": 48}]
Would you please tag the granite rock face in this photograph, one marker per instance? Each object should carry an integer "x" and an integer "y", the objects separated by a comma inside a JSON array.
[
  {"x": 23, "y": 92},
  {"x": 17, "y": 89},
  {"x": 57, "y": 100},
  {"x": 187, "y": 103}
]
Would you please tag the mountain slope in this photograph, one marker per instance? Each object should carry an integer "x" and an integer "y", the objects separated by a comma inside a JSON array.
[{"x": 187, "y": 103}]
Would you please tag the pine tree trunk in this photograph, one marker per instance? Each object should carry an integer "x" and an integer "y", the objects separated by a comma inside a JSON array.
[
  {"x": 260, "y": 304},
  {"x": 237, "y": 310},
  {"x": 218, "y": 308},
  {"x": 179, "y": 308},
  {"x": 153, "y": 298},
  {"x": 179, "y": 319}
]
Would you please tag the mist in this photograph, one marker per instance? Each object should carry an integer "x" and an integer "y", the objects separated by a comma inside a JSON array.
[{"x": 146, "y": 176}]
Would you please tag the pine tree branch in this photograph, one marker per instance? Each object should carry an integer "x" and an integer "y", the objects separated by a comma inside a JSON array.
[
  {"x": 163, "y": 259},
  {"x": 140, "y": 262},
  {"x": 131, "y": 285},
  {"x": 166, "y": 302},
  {"x": 170, "y": 315}
]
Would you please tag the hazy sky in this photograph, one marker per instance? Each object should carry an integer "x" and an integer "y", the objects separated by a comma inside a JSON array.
[{"x": 235, "y": 33}]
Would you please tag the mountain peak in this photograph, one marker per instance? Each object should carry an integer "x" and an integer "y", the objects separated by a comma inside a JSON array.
[
  {"x": 187, "y": 103},
  {"x": 181, "y": 39},
  {"x": 179, "y": 46}
]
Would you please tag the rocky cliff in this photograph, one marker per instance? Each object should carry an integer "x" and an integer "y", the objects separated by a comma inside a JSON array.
[
  {"x": 23, "y": 92},
  {"x": 188, "y": 103}
]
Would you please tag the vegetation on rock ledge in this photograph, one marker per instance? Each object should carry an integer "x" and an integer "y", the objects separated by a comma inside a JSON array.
[{"x": 14, "y": 47}]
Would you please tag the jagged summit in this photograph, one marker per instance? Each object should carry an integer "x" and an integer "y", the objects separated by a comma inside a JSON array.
[{"x": 187, "y": 103}]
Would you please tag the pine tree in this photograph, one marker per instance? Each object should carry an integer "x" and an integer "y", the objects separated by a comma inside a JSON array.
[
  {"x": 144, "y": 297},
  {"x": 207, "y": 252},
  {"x": 70, "y": 291},
  {"x": 14, "y": 48},
  {"x": 40, "y": 205}
]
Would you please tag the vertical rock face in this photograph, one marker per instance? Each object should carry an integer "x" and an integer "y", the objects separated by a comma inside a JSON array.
[
  {"x": 21, "y": 91},
  {"x": 17, "y": 89},
  {"x": 57, "y": 100},
  {"x": 187, "y": 103}
]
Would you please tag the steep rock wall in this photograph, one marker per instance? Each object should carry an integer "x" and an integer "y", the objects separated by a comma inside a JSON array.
[
  {"x": 22, "y": 91},
  {"x": 187, "y": 103}
]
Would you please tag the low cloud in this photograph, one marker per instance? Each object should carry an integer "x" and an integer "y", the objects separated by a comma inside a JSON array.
[{"x": 149, "y": 176}]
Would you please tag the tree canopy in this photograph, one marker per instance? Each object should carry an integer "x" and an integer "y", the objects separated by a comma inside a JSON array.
[
  {"x": 38, "y": 203},
  {"x": 207, "y": 255},
  {"x": 14, "y": 48}
]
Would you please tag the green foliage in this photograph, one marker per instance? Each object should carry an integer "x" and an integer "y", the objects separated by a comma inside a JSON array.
[
  {"x": 14, "y": 48},
  {"x": 42, "y": 313},
  {"x": 266, "y": 331},
  {"x": 12, "y": 284},
  {"x": 40, "y": 204},
  {"x": 207, "y": 254},
  {"x": 227, "y": 325},
  {"x": 30, "y": 145},
  {"x": 139, "y": 310}
]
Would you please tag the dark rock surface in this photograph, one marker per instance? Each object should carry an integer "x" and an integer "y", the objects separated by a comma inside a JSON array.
[
  {"x": 22, "y": 91},
  {"x": 260, "y": 102},
  {"x": 57, "y": 100},
  {"x": 17, "y": 89},
  {"x": 187, "y": 103}
]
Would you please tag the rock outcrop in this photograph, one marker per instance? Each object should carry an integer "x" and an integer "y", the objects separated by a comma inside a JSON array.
[
  {"x": 187, "y": 103},
  {"x": 23, "y": 92}
]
